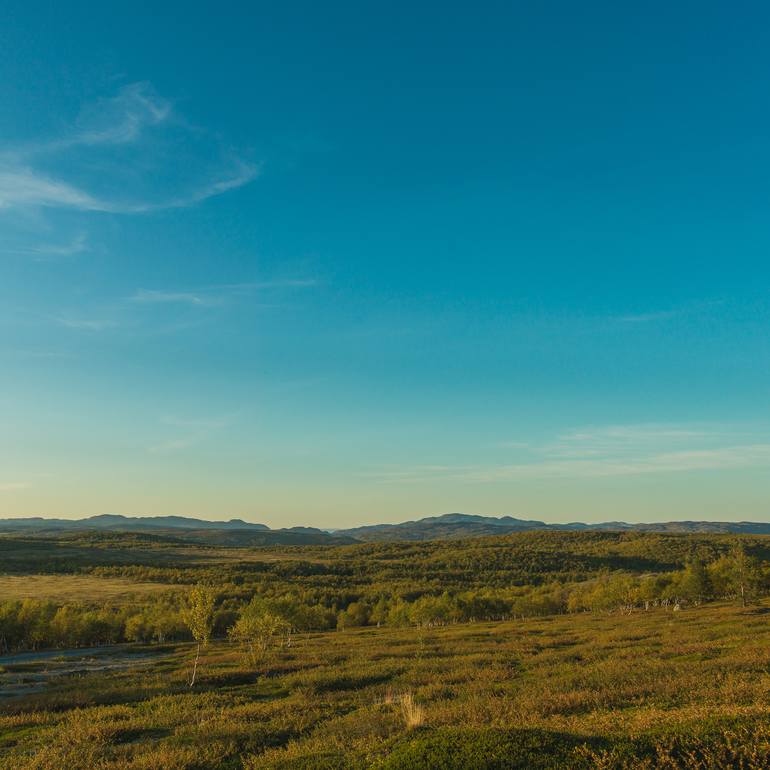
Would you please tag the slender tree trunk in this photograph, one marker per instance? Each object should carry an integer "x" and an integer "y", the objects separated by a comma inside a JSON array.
[
  {"x": 743, "y": 595},
  {"x": 195, "y": 665}
]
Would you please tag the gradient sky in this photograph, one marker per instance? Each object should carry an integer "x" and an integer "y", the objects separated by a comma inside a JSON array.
[{"x": 331, "y": 264}]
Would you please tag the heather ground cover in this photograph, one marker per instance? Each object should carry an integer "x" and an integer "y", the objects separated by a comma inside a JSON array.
[{"x": 660, "y": 688}]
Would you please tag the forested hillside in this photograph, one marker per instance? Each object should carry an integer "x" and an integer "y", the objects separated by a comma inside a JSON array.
[{"x": 400, "y": 584}]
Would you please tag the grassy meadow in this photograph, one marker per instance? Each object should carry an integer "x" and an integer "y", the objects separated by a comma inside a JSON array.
[
  {"x": 682, "y": 684},
  {"x": 80, "y": 588}
]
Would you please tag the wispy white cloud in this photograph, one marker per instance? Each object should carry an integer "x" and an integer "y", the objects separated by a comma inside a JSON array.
[
  {"x": 115, "y": 120},
  {"x": 624, "y": 439},
  {"x": 43, "y": 251},
  {"x": 23, "y": 186},
  {"x": 76, "y": 245},
  {"x": 171, "y": 445},
  {"x": 10, "y": 486},
  {"x": 242, "y": 174},
  {"x": 197, "y": 429},
  {"x": 741, "y": 456},
  {"x": 197, "y": 423},
  {"x": 28, "y": 176},
  {"x": 121, "y": 118},
  {"x": 88, "y": 324},
  {"x": 611, "y": 451},
  {"x": 511, "y": 445},
  {"x": 417, "y": 473},
  {"x": 279, "y": 283},
  {"x": 681, "y": 311},
  {"x": 127, "y": 314},
  {"x": 214, "y": 294},
  {"x": 155, "y": 297}
]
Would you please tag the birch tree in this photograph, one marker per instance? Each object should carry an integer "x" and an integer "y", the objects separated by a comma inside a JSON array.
[{"x": 198, "y": 615}]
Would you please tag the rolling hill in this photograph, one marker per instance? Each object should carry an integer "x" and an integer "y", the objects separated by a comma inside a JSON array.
[
  {"x": 234, "y": 532},
  {"x": 450, "y": 526}
]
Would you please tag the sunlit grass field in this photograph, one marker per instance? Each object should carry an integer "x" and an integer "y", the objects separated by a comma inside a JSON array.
[
  {"x": 688, "y": 689},
  {"x": 82, "y": 588}
]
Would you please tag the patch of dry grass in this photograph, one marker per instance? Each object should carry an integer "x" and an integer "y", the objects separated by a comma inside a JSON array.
[{"x": 80, "y": 588}]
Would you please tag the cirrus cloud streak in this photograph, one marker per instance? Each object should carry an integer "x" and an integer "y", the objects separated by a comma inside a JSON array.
[
  {"x": 136, "y": 127},
  {"x": 611, "y": 451}
]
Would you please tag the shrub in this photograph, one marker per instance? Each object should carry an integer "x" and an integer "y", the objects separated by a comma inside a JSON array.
[{"x": 487, "y": 749}]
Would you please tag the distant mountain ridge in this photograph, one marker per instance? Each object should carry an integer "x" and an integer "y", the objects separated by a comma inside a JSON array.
[
  {"x": 116, "y": 521},
  {"x": 450, "y": 526},
  {"x": 234, "y": 532}
]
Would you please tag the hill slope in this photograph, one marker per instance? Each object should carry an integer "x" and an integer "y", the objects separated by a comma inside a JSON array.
[
  {"x": 234, "y": 532},
  {"x": 452, "y": 526}
]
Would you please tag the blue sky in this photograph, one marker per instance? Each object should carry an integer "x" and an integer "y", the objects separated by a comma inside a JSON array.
[{"x": 333, "y": 265}]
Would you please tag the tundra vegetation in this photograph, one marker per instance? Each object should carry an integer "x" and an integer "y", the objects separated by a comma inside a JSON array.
[{"x": 540, "y": 649}]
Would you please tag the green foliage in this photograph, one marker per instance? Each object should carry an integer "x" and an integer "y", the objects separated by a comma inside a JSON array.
[
  {"x": 694, "y": 583},
  {"x": 486, "y": 749},
  {"x": 198, "y": 613},
  {"x": 416, "y": 584},
  {"x": 258, "y": 630},
  {"x": 545, "y": 649},
  {"x": 356, "y": 614},
  {"x": 744, "y": 575},
  {"x": 650, "y": 690}
]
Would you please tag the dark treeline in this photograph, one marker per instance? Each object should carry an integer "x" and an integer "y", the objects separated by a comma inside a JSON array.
[{"x": 290, "y": 603}]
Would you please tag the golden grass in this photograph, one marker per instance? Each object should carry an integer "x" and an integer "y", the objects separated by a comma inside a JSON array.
[
  {"x": 80, "y": 588},
  {"x": 692, "y": 686},
  {"x": 412, "y": 712}
]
